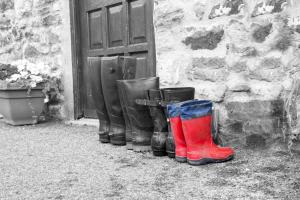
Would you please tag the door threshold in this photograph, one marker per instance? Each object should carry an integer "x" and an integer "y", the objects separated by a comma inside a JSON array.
[{"x": 84, "y": 122}]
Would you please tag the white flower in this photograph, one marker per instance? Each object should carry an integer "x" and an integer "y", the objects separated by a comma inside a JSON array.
[
  {"x": 33, "y": 84},
  {"x": 14, "y": 77},
  {"x": 36, "y": 79}
]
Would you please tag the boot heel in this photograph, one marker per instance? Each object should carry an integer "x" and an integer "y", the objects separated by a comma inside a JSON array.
[
  {"x": 104, "y": 138},
  {"x": 118, "y": 140},
  {"x": 171, "y": 155},
  {"x": 181, "y": 159},
  {"x": 159, "y": 153}
]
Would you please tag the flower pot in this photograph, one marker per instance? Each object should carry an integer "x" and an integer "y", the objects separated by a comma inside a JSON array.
[{"x": 20, "y": 108}]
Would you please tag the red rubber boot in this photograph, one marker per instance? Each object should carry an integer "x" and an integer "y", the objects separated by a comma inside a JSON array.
[
  {"x": 176, "y": 127},
  {"x": 196, "y": 124}
]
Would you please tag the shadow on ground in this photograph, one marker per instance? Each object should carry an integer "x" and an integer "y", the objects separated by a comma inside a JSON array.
[{"x": 57, "y": 161}]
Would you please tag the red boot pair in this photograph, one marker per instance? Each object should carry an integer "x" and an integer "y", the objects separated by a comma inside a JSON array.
[{"x": 191, "y": 127}]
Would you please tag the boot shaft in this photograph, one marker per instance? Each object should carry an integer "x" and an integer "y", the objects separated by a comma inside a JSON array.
[
  {"x": 96, "y": 87},
  {"x": 113, "y": 69}
]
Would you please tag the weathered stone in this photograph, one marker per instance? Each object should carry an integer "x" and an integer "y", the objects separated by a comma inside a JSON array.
[
  {"x": 51, "y": 20},
  {"x": 207, "y": 90},
  {"x": 270, "y": 6},
  {"x": 5, "y": 22},
  {"x": 209, "y": 62},
  {"x": 237, "y": 83},
  {"x": 199, "y": 9},
  {"x": 31, "y": 51},
  {"x": 271, "y": 63},
  {"x": 266, "y": 90},
  {"x": 255, "y": 141},
  {"x": 212, "y": 75},
  {"x": 168, "y": 14},
  {"x": 263, "y": 126},
  {"x": 235, "y": 6},
  {"x": 253, "y": 109},
  {"x": 240, "y": 66},
  {"x": 298, "y": 29},
  {"x": 6, "y": 4},
  {"x": 230, "y": 7},
  {"x": 39, "y": 3},
  {"x": 261, "y": 32},
  {"x": 268, "y": 75},
  {"x": 205, "y": 39},
  {"x": 243, "y": 52}
]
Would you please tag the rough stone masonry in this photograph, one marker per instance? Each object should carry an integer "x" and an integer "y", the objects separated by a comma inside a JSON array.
[
  {"x": 31, "y": 30},
  {"x": 242, "y": 54}
]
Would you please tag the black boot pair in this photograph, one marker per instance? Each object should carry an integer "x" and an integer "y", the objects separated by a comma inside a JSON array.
[
  {"x": 162, "y": 142},
  {"x": 104, "y": 73}
]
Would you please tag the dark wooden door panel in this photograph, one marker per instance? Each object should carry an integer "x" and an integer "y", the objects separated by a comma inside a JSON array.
[{"x": 115, "y": 27}]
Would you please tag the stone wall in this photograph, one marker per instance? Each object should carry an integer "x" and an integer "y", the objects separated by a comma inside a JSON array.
[
  {"x": 242, "y": 54},
  {"x": 32, "y": 30}
]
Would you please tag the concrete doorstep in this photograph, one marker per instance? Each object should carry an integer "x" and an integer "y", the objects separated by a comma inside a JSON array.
[{"x": 84, "y": 122}]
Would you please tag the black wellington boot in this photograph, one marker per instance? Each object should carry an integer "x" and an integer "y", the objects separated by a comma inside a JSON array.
[
  {"x": 139, "y": 115},
  {"x": 112, "y": 70},
  {"x": 158, "y": 141},
  {"x": 173, "y": 95},
  {"x": 129, "y": 69},
  {"x": 97, "y": 95}
]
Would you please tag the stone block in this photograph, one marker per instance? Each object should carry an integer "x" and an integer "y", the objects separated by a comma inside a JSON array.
[
  {"x": 204, "y": 39},
  {"x": 266, "y": 90},
  {"x": 51, "y": 20},
  {"x": 207, "y": 90},
  {"x": 5, "y": 22},
  {"x": 268, "y": 75},
  {"x": 168, "y": 14},
  {"x": 30, "y": 52},
  {"x": 237, "y": 82},
  {"x": 255, "y": 141},
  {"x": 208, "y": 62},
  {"x": 6, "y": 5},
  {"x": 229, "y": 7},
  {"x": 261, "y": 32},
  {"x": 213, "y": 75},
  {"x": 263, "y": 126},
  {"x": 199, "y": 9},
  {"x": 254, "y": 109},
  {"x": 238, "y": 67},
  {"x": 268, "y": 7},
  {"x": 249, "y": 51}
]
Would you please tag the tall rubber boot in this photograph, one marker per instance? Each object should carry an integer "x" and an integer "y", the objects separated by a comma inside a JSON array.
[
  {"x": 158, "y": 141},
  {"x": 98, "y": 97},
  {"x": 196, "y": 125},
  {"x": 173, "y": 95},
  {"x": 129, "y": 69},
  {"x": 139, "y": 115},
  {"x": 112, "y": 70}
]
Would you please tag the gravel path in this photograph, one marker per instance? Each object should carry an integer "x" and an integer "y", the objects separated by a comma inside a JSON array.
[{"x": 57, "y": 161}]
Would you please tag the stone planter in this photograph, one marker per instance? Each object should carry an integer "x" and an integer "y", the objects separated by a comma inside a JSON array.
[{"x": 20, "y": 108}]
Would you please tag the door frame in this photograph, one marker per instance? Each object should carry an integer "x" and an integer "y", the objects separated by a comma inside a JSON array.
[{"x": 77, "y": 60}]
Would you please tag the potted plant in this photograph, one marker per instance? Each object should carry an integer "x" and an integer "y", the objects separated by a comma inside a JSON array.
[{"x": 24, "y": 90}]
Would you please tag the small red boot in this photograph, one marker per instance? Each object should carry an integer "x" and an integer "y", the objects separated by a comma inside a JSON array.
[
  {"x": 196, "y": 125},
  {"x": 176, "y": 127}
]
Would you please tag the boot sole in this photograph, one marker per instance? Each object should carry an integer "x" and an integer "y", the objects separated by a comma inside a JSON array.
[
  {"x": 141, "y": 148},
  {"x": 159, "y": 153},
  {"x": 205, "y": 161},
  {"x": 171, "y": 155},
  {"x": 120, "y": 141},
  {"x": 103, "y": 138},
  {"x": 181, "y": 159}
]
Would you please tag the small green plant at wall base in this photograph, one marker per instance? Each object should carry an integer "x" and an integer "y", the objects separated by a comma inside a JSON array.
[{"x": 291, "y": 127}]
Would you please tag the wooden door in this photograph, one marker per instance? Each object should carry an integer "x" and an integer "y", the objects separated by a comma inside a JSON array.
[{"x": 115, "y": 27}]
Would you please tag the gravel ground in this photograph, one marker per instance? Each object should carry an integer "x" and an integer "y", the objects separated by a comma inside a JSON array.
[{"x": 57, "y": 161}]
